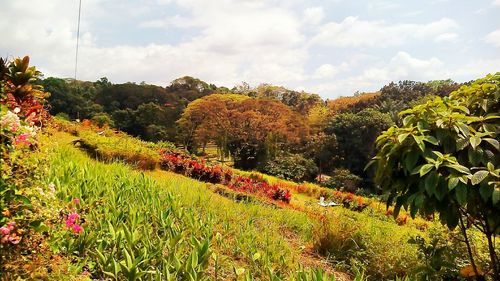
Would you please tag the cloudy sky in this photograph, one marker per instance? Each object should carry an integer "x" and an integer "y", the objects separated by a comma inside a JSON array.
[{"x": 331, "y": 47}]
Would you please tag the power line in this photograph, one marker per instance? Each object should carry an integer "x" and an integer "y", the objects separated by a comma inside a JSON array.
[{"x": 78, "y": 36}]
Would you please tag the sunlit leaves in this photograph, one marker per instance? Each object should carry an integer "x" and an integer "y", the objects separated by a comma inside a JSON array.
[{"x": 446, "y": 155}]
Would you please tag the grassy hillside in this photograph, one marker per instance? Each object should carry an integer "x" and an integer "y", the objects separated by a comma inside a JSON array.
[{"x": 169, "y": 222}]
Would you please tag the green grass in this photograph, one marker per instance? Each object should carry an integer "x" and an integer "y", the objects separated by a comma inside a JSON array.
[
  {"x": 256, "y": 236},
  {"x": 167, "y": 220}
]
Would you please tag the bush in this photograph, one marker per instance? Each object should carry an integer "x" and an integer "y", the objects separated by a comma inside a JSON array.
[
  {"x": 101, "y": 119},
  {"x": 63, "y": 116},
  {"x": 291, "y": 167},
  {"x": 345, "y": 180},
  {"x": 199, "y": 170}
]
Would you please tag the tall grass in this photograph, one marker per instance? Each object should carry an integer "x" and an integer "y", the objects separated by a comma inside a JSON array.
[{"x": 171, "y": 227}]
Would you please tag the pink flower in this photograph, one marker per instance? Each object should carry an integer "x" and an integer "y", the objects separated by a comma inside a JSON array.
[
  {"x": 76, "y": 201},
  {"x": 77, "y": 228},
  {"x": 73, "y": 217},
  {"x": 14, "y": 239},
  {"x": 5, "y": 230},
  {"x": 22, "y": 139}
]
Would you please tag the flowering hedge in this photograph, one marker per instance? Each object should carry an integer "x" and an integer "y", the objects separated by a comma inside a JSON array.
[
  {"x": 185, "y": 165},
  {"x": 21, "y": 117}
]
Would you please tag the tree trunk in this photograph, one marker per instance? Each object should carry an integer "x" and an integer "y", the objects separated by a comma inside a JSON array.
[
  {"x": 469, "y": 250},
  {"x": 493, "y": 256}
]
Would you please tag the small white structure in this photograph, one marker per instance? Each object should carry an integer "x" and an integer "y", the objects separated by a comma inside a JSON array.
[{"x": 326, "y": 204}]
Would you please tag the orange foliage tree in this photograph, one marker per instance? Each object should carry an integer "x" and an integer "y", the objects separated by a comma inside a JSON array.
[
  {"x": 249, "y": 129},
  {"x": 343, "y": 104}
]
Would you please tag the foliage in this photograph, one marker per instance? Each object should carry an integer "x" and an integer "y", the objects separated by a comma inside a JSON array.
[
  {"x": 166, "y": 226},
  {"x": 352, "y": 104},
  {"x": 354, "y": 240},
  {"x": 250, "y": 129},
  {"x": 21, "y": 117},
  {"x": 445, "y": 158},
  {"x": 216, "y": 174},
  {"x": 301, "y": 102},
  {"x": 355, "y": 134},
  {"x": 291, "y": 167},
  {"x": 344, "y": 179},
  {"x": 101, "y": 119},
  {"x": 109, "y": 146}
]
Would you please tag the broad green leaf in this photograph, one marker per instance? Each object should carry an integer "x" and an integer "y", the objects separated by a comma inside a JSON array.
[
  {"x": 486, "y": 191},
  {"x": 462, "y": 143},
  {"x": 419, "y": 142},
  {"x": 424, "y": 169},
  {"x": 431, "y": 139},
  {"x": 475, "y": 141},
  {"x": 402, "y": 137},
  {"x": 452, "y": 183},
  {"x": 458, "y": 168},
  {"x": 496, "y": 196},
  {"x": 461, "y": 193},
  {"x": 493, "y": 142},
  {"x": 431, "y": 182},
  {"x": 479, "y": 176},
  {"x": 411, "y": 160}
]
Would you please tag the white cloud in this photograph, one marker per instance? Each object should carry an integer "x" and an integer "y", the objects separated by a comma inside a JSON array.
[
  {"x": 254, "y": 42},
  {"x": 496, "y": 2},
  {"x": 446, "y": 37},
  {"x": 493, "y": 38},
  {"x": 328, "y": 71},
  {"x": 353, "y": 32},
  {"x": 401, "y": 66},
  {"x": 314, "y": 15}
]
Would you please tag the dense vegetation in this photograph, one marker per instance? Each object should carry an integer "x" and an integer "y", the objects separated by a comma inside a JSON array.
[
  {"x": 257, "y": 128},
  {"x": 83, "y": 200}
]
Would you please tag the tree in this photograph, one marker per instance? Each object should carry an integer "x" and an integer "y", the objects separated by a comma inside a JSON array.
[
  {"x": 445, "y": 158},
  {"x": 355, "y": 134},
  {"x": 101, "y": 119},
  {"x": 291, "y": 167},
  {"x": 248, "y": 128}
]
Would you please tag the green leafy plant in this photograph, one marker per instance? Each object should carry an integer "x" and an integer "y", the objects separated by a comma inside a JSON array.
[{"x": 445, "y": 158}]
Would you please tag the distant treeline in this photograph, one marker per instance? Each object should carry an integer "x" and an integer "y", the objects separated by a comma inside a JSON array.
[{"x": 295, "y": 135}]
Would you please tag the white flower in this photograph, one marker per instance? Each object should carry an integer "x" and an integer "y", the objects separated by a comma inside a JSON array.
[
  {"x": 10, "y": 121},
  {"x": 17, "y": 110},
  {"x": 52, "y": 188}
]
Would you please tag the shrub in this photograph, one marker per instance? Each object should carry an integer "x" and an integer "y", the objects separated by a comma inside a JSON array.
[
  {"x": 253, "y": 183},
  {"x": 101, "y": 119},
  {"x": 343, "y": 179},
  {"x": 63, "y": 116},
  {"x": 291, "y": 167},
  {"x": 444, "y": 158}
]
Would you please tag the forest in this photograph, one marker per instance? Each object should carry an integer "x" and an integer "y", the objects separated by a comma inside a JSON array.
[
  {"x": 194, "y": 181},
  {"x": 290, "y": 134}
]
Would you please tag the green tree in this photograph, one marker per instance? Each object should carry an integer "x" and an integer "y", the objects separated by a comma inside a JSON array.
[
  {"x": 355, "y": 134},
  {"x": 101, "y": 119},
  {"x": 445, "y": 158}
]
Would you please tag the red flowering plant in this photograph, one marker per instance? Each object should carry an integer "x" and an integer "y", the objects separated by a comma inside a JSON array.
[
  {"x": 249, "y": 185},
  {"x": 215, "y": 174}
]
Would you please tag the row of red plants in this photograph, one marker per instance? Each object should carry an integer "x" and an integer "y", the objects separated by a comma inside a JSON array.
[{"x": 199, "y": 170}]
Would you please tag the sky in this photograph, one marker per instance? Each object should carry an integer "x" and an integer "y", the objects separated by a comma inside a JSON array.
[{"x": 332, "y": 48}]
